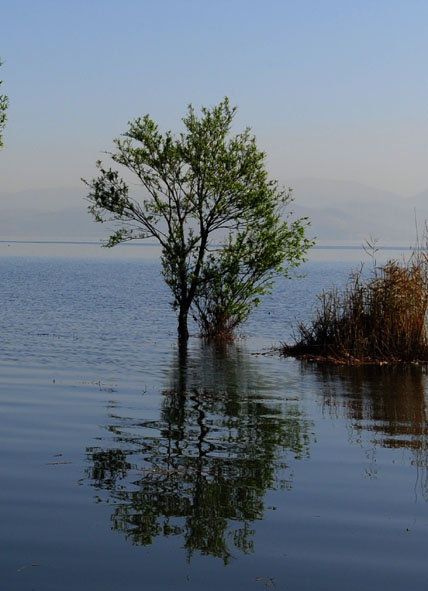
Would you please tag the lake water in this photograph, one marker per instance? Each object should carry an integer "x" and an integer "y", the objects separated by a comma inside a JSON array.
[{"x": 128, "y": 465}]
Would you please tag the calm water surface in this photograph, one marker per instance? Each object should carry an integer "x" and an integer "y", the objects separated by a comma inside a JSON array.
[{"x": 126, "y": 464}]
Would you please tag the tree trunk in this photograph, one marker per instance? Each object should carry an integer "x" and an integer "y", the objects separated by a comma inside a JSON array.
[{"x": 183, "y": 332}]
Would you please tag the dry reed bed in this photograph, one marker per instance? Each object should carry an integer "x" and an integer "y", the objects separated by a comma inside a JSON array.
[{"x": 379, "y": 318}]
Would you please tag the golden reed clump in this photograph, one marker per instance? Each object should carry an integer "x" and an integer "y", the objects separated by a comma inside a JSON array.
[{"x": 379, "y": 318}]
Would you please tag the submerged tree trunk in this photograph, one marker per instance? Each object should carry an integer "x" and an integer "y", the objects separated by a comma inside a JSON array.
[{"x": 183, "y": 332}]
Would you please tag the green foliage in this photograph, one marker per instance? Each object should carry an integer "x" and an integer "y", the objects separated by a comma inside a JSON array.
[
  {"x": 235, "y": 277},
  {"x": 201, "y": 188},
  {"x": 4, "y": 101}
]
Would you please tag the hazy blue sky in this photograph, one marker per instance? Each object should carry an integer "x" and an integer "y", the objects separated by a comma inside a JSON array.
[{"x": 331, "y": 88}]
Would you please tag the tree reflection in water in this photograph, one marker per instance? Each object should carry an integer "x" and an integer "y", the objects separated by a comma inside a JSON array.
[
  {"x": 201, "y": 470},
  {"x": 387, "y": 404}
]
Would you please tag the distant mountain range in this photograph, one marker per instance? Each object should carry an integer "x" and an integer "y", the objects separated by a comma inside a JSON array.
[
  {"x": 341, "y": 212},
  {"x": 350, "y": 212},
  {"x": 47, "y": 214}
]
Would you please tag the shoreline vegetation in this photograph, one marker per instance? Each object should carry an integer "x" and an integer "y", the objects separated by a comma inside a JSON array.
[{"x": 379, "y": 318}]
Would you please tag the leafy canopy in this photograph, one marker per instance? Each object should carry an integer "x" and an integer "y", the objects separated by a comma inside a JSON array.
[{"x": 207, "y": 199}]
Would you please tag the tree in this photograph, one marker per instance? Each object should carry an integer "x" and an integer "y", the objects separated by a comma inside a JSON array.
[
  {"x": 209, "y": 203},
  {"x": 234, "y": 279},
  {"x": 4, "y": 101}
]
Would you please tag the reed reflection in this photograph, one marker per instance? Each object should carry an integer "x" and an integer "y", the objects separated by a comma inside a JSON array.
[
  {"x": 387, "y": 403},
  {"x": 202, "y": 469}
]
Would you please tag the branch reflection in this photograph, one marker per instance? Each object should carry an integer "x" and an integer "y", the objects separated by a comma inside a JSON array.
[{"x": 202, "y": 467}]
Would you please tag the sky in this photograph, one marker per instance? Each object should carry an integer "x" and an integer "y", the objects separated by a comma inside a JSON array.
[{"x": 332, "y": 89}]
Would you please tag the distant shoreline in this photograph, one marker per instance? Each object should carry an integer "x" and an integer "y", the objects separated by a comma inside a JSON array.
[{"x": 99, "y": 242}]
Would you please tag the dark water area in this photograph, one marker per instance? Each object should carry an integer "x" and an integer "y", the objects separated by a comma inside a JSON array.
[{"x": 128, "y": 464}]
